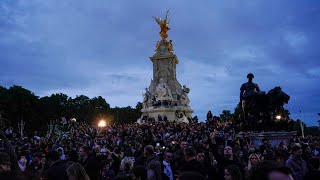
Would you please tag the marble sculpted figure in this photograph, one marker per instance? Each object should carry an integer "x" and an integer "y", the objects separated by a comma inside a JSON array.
[
  {"x": 146, "y": 98},
  {"x": 163, "y": 91},
  {"x": 184, "y": 99}
]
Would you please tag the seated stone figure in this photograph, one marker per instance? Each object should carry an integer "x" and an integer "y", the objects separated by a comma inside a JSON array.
[{"x": 163, "y": 91}]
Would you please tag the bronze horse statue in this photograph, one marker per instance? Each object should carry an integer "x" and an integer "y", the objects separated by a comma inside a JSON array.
[{"x": 263, "y": 107}]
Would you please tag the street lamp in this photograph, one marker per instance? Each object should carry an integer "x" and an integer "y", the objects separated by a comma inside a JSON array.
[
  {"x": 278, "y": 117},
  {"x": 102, "y": 123}
]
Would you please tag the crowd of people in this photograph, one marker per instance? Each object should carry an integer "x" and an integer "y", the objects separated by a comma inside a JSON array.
[{"x": 154, "y": 151}]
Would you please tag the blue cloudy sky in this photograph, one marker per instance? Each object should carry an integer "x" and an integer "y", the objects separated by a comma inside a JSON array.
[{"x": 102, "y": 47}]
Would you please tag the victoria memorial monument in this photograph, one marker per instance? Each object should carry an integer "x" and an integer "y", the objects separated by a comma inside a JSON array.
[{"x": 165, "y": 99}]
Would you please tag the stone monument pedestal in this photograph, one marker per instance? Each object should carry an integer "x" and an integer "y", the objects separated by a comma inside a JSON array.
[
  {"x": 274, "y": 137},
  {"x": 177, "y": 114}
]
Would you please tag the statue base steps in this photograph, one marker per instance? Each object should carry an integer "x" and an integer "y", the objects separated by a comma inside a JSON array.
[
  {"x": 170, "y": 113},
  {"x": 274, "y": 137}
]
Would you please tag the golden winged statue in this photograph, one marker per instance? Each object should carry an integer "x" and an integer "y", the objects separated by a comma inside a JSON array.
[{"x": 164, "y": 26}]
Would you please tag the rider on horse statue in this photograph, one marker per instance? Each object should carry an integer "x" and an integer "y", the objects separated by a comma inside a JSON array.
[
  {"x": 259, "y": 106},
  {"x": 249, "y": 90}
]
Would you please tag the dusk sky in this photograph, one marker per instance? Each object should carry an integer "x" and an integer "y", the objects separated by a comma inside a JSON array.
[{"x": 102, "y": 48}]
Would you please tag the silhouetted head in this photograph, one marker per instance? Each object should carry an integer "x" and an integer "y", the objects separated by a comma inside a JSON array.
[
  {"x": 232, "y": 172},
  {"x": 296, "y": 151},
  {"x": 269, "y": 170},
  {"x": 189, "y": 153},
  {"x": 250, "y": 76},
  {"x": 190, "y": 175},
  {"x": 139, "y": 172},
  {"x": 148, "y": 150},
  {"x": 314, "y": 163},
  {"x": 5, "y": 163}
]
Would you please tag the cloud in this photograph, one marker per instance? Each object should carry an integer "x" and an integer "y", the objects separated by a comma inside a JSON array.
[
  {"x": 103, "y": 47},
  {"x": 119, "y": 86}
]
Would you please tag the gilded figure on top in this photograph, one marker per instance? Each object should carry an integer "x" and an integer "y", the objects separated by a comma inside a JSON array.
[{"x": 164, "y": 26}]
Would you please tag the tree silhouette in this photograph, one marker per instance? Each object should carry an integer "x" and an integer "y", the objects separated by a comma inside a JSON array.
[
  {"x": 18, "y": 102},
  {"x": 226, "y": 115}
]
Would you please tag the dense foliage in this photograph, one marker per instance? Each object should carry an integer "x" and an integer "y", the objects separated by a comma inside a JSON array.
[{"x": 17, "y": 102}]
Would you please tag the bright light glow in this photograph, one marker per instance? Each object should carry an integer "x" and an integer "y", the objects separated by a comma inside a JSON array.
[
  {"x": 73, "y": 119},
  {"x": 102, "y": 123},
  {"x": 278, "y": 117}
]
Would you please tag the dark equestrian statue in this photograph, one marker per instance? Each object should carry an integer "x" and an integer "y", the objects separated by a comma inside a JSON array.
[{"x": 259, "y": 107}]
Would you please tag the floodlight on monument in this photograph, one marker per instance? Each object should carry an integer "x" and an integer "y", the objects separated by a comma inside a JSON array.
[
  {"x": 102, "y": 123},
  {"x": 278, "y": 117}
]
